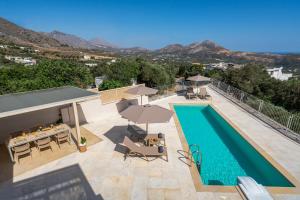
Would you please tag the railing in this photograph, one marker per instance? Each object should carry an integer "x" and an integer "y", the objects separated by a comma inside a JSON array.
[{"x": 277, "y": 117}]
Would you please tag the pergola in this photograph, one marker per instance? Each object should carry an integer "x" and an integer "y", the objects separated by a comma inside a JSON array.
[{"x": 19, "y": 103}]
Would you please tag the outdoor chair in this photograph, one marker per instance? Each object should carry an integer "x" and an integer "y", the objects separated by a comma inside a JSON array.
[
  {"x": 21, "y": 150},
  {"x": 190, "y": 93},
  {"x": 144, "y": 151},
  {"x": 62, "y": 137},
  {"x": 203, "y": 93},
  {"x": 44, "y": 143}
]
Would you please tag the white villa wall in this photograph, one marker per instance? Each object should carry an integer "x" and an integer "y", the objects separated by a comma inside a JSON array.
[
  {"x": 25, "y": 121},
  {"x": 89, "y": 111},
  {"x": 94, "y": 110}
]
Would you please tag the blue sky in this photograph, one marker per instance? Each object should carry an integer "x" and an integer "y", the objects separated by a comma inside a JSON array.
[{"x": 247, "y": 25}]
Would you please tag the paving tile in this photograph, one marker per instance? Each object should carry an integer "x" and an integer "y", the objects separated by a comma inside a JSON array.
[
  {"x": 155, "y": 194},
  {"x": 134, "y": 178}
]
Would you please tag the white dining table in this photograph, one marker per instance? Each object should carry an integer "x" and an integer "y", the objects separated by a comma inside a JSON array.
[{"x": 33, "y": 136}]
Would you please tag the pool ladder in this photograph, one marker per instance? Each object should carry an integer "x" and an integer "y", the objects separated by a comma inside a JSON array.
[{"x": 194, "y": 149}]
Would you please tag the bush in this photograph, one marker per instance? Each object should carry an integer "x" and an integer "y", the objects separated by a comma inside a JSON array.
[
  {"x": 110, "y": 84},
  {"x": 46, "y": 74}
]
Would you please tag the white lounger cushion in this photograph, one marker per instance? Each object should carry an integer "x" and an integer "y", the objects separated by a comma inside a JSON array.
[{"x": 253, "y": 190}]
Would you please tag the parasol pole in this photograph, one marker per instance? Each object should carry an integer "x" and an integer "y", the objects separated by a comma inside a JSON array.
[{"x": 147, "y": 128}]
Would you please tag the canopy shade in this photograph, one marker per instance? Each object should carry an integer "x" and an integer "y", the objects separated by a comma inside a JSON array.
[
  {"x": 18, "y": 103},
  {"x": 198, "y": 78},
  {"x": 147, "y": 114},
  {"x": 142, "y": 90}
]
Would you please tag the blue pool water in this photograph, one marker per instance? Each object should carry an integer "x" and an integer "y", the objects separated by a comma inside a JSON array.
[{"x": 225, "y": 153}]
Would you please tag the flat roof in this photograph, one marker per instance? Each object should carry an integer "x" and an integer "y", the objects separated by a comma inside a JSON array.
[{"x": 12, "y": 104}]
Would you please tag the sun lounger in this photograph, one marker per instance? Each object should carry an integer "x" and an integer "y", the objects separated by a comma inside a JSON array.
[
  {"x": 190, "y": 93},
  {"x": 252, "y": 190},
  {"x": 137, "y": 134},
  {"x": 203, "y": 93},
  {"x": 144, "y": 151}
]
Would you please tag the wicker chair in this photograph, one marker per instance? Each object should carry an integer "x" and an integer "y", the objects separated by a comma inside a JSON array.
[
  {"x": 44, "y": 143},
  {"x": 62, "y": 137},
  {"x": 21, "y": 150}
]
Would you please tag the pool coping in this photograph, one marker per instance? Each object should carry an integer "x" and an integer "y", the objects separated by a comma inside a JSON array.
[{"x": 200, "y": 187}]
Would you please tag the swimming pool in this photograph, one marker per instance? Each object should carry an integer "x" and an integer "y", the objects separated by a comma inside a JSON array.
[{"x": 225, "y": 153}]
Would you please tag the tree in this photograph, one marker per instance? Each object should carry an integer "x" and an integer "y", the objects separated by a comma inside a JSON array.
[
  {"x": 46, "y": 74},
  {"x": 110, "y": 84},
  {"x": 155, "y": 75},
  {"x": 254, "y": 80},
  {"x": 124, "y": 70}
]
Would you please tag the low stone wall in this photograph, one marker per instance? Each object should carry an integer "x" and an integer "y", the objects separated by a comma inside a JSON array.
[
  {"x": 113, "y": 95},
  {"x": 88, "y": 111}
]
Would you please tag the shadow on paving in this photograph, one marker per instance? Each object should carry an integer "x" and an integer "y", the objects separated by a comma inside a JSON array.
[
  {"x": 66, "y": 183},
  {"x": 117, "y": 134}
]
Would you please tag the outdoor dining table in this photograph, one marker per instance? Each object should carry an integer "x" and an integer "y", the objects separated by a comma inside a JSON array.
[{"x": 33, "y": 136}]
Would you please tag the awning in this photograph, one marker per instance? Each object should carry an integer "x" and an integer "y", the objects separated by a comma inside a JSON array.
[{"x": 18, "y": 103}]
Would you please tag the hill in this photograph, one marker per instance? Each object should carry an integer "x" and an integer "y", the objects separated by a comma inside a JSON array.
[
  {"x": 70, "y": 40},
  {"x": 16, "y": 34},
  {"x": 204, "y": 52},
  {"x": 77, "y": 42}
]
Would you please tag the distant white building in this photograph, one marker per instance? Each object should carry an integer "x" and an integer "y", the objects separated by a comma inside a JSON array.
[
  {"x": 86, "y": 57},
  {"x": 97, "y": 57},
  {"x": 222, "y": 65},
  {"x": 26, "y": 61},
  {"x": 277, "y": 74},
  {"x": 91, "y": 64}
]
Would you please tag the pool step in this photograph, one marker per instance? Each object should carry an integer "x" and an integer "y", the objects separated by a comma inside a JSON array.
[{"x": 194, "y": 149}]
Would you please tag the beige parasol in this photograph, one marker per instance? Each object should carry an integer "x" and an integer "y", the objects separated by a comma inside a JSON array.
[
  {"x": 147, "y": 114},
  {"x": 141, "y": 90}
]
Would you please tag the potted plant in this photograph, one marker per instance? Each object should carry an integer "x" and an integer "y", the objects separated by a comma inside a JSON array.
[{"x": 82, "y": 144}]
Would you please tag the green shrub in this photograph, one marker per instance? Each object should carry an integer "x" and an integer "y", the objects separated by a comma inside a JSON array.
[{"x": 110, "y": 84}]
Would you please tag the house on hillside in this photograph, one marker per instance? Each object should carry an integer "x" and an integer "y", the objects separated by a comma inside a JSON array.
[
  {"x": 222, "y": 66},
  {"x": 26, "y": 61},
  {"x": 278, "y": 74},
  {"x": 3, "y": 46},
  {"x": 96, "y": 57},
  {"x": 91, "y": 64}
]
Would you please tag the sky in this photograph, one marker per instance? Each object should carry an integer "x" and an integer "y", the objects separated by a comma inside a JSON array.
[{"x": 244, "y": 25}]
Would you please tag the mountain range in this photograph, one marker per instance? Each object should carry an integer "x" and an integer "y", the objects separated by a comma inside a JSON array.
[
  {"x": 20, "y": 35},
  {"x": 14, "y": 33},
  {"x": 55, "y": 39},
  {"x": 206, "y": 51},
  {"x": 77, "y": 42}
]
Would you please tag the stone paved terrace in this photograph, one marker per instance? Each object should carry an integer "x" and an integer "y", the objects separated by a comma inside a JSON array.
[{"x": 105, "y": 173}]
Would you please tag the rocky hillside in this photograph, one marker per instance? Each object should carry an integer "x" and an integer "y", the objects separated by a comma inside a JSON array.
[
  {"x": 205, "y": 46},
  {"x": 70, "y": 40},
  {"x": 77, "y": 42},
  {"x": 14, "y": 33},
  {"x": 100, "y": 43},
  {"x": 204, "y": 52}
]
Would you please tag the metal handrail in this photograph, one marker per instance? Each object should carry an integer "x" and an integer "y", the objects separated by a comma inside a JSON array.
[
  {"x": 198, "y": 160},
  {"x": 282, "y": 120}
]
